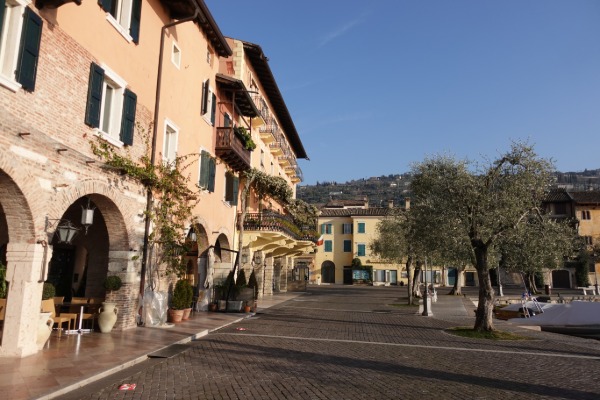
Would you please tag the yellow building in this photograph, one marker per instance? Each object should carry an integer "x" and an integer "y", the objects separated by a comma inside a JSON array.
[
  {"x": 583, "y": 208},
  {"x": 348, "y": 228}
]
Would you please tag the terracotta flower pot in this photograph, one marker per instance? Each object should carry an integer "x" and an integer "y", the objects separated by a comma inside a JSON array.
[
  {"x": 186, "y": 313},
  {"x": 175, "y": 316}
]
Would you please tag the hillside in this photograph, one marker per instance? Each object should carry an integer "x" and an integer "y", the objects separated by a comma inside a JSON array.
[{"x": 379, "y": 190}]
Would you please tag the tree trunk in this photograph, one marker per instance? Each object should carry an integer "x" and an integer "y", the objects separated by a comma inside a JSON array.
[
  {"x": 409, "y": 268},
  {"x": 416, "y": 286},
  {"x": 485, "y": 307},
  {"x": 532, "y": 286},
  {"x": 457, "y": 289}
]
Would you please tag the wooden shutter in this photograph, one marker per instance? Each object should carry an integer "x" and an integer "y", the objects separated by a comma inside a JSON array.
[
  {"x": 94, "y": 99},
  {"x": 236, "y": 188},
  {"x": 213, "y": 109},
  {"x": 2, "y": 7},
  {"x": 204, "y": 97},
  {"x": 212, "y": 169},
  {"x": 322, "y": 228},
  {"x": 204, "y": 157},
  {"x": 136, "y": 19},
  {"x": 128, "y": 118},
  {"x": 30, "y": 50},
  {"x": 105, "y": 4}
]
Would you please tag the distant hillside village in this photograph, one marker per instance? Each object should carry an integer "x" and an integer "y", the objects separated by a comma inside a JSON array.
[{"x": 395, "y": 187}]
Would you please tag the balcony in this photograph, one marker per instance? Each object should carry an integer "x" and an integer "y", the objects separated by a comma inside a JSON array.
[
  {"x": 273, "y": 222},
  {"x": 231, "y": 150}
]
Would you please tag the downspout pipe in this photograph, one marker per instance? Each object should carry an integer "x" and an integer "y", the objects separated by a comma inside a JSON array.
[{"x": 149, "y": 197}]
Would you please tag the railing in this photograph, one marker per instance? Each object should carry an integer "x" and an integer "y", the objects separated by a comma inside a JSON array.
[
  {"x": 231, "y": 149},
  {"x": 279, "y": 223}
]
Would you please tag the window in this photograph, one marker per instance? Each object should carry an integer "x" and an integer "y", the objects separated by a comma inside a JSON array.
[
  {"x": 226, "y": 120},
  {"x": 272, "y": 168},
  {"x": 347, "y": 246},
  {"x": 362, "y": 249},
  {"x": 346, "y": 229},
  {"x": 588, "y": 240},
  {"x": 262, "y": 158},
  {"x": 361, "y": 227},
  {"x": 110, "y": 106},
  {"x": 209, "y": 103},
  {"x": 328, "y": 246},
  {"x": 125, "y": 16},
  {"x": 232, "y": 183},
  {"x": 176, "y": 55},
  {"x": 20, "y": 35},
  {"x": 585, "y": 214},
  {"x": 560, "y": 209},
  {"x": 169, "y": 153},
  {"x": 327, "y": 228},
  {"x": 208, "y": 168}
]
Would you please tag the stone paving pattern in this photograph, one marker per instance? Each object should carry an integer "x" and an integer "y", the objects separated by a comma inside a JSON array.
[{"x": 354, "y": 343}]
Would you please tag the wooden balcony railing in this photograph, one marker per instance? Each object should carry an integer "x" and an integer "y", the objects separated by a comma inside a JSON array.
[
  {"x": 274, "y": 222},
  {"x": 231, "y": 150}
]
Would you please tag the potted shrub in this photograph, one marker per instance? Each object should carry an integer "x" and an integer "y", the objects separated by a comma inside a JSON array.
[
  {"x": 189, "y": 291},
  {"x": 45, "y": 321},
  {"x": 112, "y": 283},
  {"x": 178, "y": 301},
  {"x": 108, "y": 312}
]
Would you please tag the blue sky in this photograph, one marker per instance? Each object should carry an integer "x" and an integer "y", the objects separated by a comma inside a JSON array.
[{"x": 375, "y": 86}]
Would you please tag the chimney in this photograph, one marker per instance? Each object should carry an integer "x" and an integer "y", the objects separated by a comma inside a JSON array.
[
  {"x": 366, "y": 199},
  {"x": 407, "y": 203},
  {"x": 391, "y": 203}
]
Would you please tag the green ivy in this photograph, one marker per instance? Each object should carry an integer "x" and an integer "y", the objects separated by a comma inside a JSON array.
[{"x": 173, "y": 203}]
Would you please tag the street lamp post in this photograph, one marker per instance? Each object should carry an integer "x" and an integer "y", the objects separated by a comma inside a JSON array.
[{"x": 426, "y": 311}]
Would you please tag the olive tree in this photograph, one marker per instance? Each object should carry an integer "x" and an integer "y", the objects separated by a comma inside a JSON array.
[
  {"x": 480, "y": 204},
  {"x": 392, "y": 243},
  {"x": 540, "y": 243}
]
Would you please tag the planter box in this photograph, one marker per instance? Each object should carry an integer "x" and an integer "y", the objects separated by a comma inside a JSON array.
[{"x": 235, "y": 306}]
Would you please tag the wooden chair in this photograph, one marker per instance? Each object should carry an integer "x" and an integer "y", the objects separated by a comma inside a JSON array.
[
  {"x": 58, "y": 300},
  {"x": 48, "y": 306}
]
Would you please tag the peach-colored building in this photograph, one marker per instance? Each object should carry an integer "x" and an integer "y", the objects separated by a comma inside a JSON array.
[{"x": 123, "y": 72}]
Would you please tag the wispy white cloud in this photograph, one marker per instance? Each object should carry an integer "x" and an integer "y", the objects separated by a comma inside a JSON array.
[{"x": 340, "y": 31}]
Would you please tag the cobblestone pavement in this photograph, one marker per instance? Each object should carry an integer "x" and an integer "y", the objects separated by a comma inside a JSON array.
[{"x": 358, "y": 343}]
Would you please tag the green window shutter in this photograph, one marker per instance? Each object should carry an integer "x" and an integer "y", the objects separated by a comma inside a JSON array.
[
  {"x": 94, "y": 99},
  {"x": 347, "y": 246},
  {"x": 236, "y": 188},
  {"x": 204, "y": 157},
  {"x": 228, "y": 187},
  {"x": 128, "y": 118},
  {"x": 30, "y": 49},
  {"x": 328, "y": 246},
  {"x": 136, "y": 19},
  {"x": 212, "y": 169},
  {"x": 361, "y": 227},
  {"x": 361, "y": 250},
  {"x": 105, "y": 4},
  {"x": 322, "y": 228},
  {"x": 2, "y": 7},
  {"x": 204, "y": 97},
  {"x": 213, "y": 111}
]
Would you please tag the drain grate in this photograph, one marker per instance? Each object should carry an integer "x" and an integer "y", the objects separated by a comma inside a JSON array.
[{"x": 170, "y": 351}]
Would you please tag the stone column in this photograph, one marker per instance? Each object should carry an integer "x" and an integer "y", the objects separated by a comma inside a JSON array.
[
  {"x": 120, "y": 263},
  {"x": 23, "y": 303},
  {"x": 285, "y": 271},
  {"x": 267, "y": 284}
]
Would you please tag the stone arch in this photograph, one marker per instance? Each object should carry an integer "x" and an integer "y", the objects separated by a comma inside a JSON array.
[
  {"x": 328, "y": 272},
  {"x": 221, "y": 255},
  {"x": 109, "y": 202},
  {"x": 16, "y": 210}
]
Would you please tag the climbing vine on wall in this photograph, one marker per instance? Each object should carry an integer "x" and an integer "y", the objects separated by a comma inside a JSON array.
[{"x": 173, "y": 197}]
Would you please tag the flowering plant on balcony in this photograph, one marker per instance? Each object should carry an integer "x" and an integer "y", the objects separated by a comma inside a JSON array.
[{"x": 245, "y": 137}]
